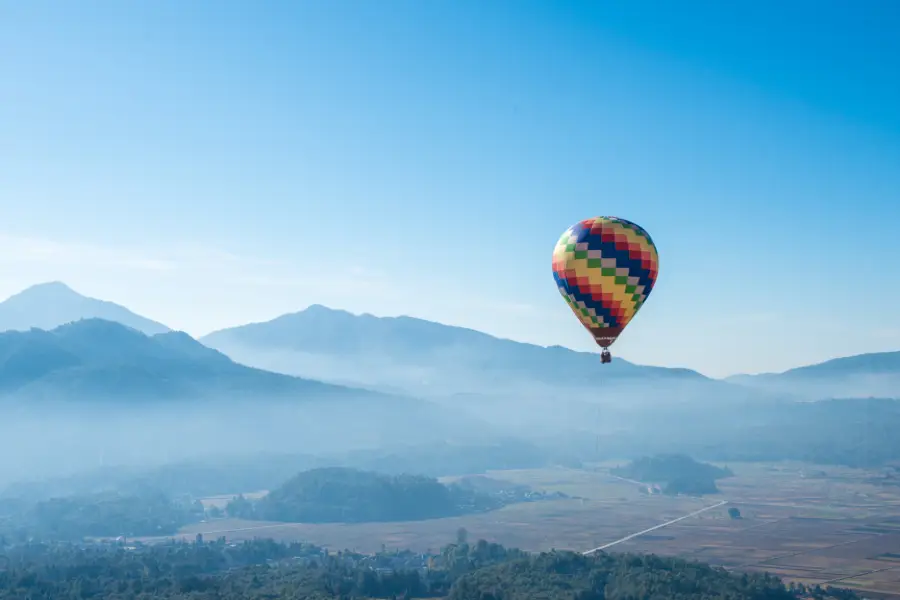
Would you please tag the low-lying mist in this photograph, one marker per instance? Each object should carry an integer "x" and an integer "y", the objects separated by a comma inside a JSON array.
[
  {"x": 510, "y": 398},
  {"x": 63, "y": 437},
  {"x": 398, "y": 434}
]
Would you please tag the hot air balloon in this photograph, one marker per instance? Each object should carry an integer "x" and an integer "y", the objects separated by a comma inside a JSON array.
[{"x": 605, "y": 269}]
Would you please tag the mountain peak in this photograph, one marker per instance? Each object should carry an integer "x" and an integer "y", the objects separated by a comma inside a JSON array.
[
  {"x": 49, "y": 289},
  {"x": 320, "y": 310},
  {"x": 57, "y": 285},
  {"x": 94, "y": 324},
  {"x": 51, "y": 304},
  {"x": 314, "y": 308}
]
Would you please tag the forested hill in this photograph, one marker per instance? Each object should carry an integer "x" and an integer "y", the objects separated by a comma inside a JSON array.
[
  {"x": 106, "y": 514},
  {"x": 338, "y": 494},
  {"x": 665, "y": 467},
  {"x": 679, "y": 473},
  {"x": 265, "y": 569}
]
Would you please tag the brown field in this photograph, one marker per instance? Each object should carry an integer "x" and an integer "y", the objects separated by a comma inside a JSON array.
[{"x": 839, "y": 529}]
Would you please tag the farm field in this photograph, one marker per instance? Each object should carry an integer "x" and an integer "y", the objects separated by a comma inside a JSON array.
[{"x": 826, "y": 525}]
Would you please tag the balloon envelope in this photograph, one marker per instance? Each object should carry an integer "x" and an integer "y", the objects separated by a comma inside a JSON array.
[{"x": 605, "y": 269}]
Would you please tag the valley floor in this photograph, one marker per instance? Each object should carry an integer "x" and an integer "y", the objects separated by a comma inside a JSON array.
[{"x": 825, "y": 525}]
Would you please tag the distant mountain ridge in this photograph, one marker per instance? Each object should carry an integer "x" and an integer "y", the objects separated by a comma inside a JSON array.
[
  {"x": 875, "y": 375},
  {"x": 49, "y": 305},
  {"x": 872, "y": 362},
  {"x": 419, "y": 356},
  {"x": 403, "y": 355}
]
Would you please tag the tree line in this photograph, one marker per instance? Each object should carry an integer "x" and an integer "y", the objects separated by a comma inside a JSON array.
[{"x": 461, "y": 571}]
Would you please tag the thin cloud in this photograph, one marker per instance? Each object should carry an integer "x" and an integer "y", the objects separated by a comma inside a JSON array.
[
  {"x": 194, "y": 268},
  {"x": 17, "y": 250},
  {"x": 37, "y": 251}
]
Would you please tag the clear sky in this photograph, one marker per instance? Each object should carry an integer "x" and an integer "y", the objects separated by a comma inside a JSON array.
[{"x": 210, "y": 163}]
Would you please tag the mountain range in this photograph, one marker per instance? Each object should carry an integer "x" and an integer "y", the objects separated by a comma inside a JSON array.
[
  {"x": 426, "y": 358},
  {"x": 96, "y": 390},
  {"x": 430, "y": 359},
  {"x": 85, "y": 390},
  {"x": 101, "y": 359},
  {"x": 394, "y": 355}
]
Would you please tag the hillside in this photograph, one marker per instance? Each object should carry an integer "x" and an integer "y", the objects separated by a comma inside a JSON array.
[
  {"x": 101, "y": 359},
  {"x": 861, "y": 376},
  {"x": 49, "y": 305},
  {"x": 428, "y": 358},
  {"x": 572, "y": 576},
  {"x": 337, "y": 494},
  {"x": 101, "y": 515},
  {"x": 96, "y": 390}
]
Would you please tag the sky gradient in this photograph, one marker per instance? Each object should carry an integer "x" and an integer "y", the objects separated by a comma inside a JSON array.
[{"x": 215, "y": 162}]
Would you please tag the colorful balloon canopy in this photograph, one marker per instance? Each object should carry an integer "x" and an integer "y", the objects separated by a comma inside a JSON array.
[{"x": 605, "y": 269}]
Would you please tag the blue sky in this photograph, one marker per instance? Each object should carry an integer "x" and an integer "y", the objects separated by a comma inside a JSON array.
[{"x": 215, "y": 162}]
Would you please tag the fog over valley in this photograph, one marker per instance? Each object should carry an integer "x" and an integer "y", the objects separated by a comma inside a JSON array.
[{"x": 89, "y": 391}]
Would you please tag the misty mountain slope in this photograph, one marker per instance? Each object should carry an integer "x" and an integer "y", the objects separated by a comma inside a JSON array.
[
  {"x": 94, "y": 391},
  {"x": 864, "y": 375},
  {"x": 423, "y": 357},
  {"x": 49, "y": 305},
  {"x": 96, "y": 358}
]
